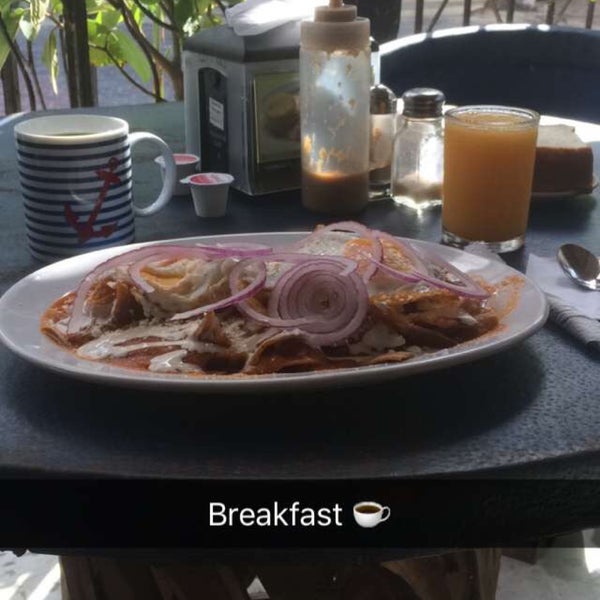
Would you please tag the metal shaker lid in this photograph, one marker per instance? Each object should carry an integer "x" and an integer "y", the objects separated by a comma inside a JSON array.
[
  {"x": 383, "y": 100},
  {"x": 423, "y": 103}
]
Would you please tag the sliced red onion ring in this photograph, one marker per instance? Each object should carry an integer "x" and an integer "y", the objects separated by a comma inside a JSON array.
[
  {"x": 423, "y": 261},
  {"x": 245, "y": 307},
  {"x": 364, "y": 232},
  {"x": 317, "y": 296},
  {"x": 246, "y": 250},
  {"x": 236, "y": 297},
  {"x": 135, "y": 272},
  {"x": 349, "y": 264},
  {"x": 352, "y": 227},
  {"x": 337, "y": 303},
  {"x": 79, "y": 319},
  {"x": 163, "y": 253},
  {"x": 464, "y": 287},
  {"x": 347, "y": 226},
  {"x": 408, "y": 276},
  {"x": 324, "y": 302},
  {"x": 416, "y": 262}
]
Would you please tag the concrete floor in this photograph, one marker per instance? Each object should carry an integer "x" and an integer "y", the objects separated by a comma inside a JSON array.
[
  {"x": 29, "y": 577},
  {"x": 565, "y": 571}
]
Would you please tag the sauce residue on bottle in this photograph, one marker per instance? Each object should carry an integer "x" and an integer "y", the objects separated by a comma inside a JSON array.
[{"x": 335, "y": 193}]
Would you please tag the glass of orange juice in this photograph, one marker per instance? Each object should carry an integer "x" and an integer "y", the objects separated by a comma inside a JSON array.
[{"x": 489, "y": 155}]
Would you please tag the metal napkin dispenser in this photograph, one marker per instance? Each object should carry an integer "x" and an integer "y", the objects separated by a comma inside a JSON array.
[{"x": 242, "y": 111}]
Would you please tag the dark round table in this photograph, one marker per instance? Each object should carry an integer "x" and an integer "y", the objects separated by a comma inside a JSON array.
[{"x": 529, "y": 412}]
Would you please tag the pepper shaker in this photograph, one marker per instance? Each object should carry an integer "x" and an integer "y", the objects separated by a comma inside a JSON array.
[
  {"x": 418, "y": 154},
  {"x": 383, "y": 128}
]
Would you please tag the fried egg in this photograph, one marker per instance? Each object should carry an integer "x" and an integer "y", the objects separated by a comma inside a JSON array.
[{"x": 185, "y": 284}]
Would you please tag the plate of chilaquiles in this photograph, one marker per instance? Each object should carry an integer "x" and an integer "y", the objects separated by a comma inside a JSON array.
[{"x": 341, "y": 305}]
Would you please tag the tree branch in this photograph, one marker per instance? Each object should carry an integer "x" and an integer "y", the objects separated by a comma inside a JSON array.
[
  {"x": 152, "y": 54},
  {"x": 154, "y": 18},
  {"x": 19, "y": 58},
  {"x": 140, "y": 38},
  {"x": 221, "y": 6},
  {"x": 36, "y": 81},
  {"x": 169, "y": 10},
  {"x": 63, "y": 49},
  {"x": 125, "y": 74}
]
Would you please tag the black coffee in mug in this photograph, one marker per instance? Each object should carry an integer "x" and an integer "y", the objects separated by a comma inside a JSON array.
[{"x": 72, "y": 133}]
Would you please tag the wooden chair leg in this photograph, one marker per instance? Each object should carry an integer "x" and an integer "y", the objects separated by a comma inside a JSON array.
[
  {"x": 319, "y": 582},
  {"x": 92, "y": 578},
  {"x": 193, "y": 582},
  {"x": 366, "y": 582},
  {"x": 461, "y": 575},
  {"x": 297, "y": 582}
]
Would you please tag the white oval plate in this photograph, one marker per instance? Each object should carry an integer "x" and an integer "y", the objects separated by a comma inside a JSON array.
[{"x": 23, "y": 304}]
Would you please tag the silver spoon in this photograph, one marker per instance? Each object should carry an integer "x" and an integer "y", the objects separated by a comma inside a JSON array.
[{"x": 580, "y": 265}]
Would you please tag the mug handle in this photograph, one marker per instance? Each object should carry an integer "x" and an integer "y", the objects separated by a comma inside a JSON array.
[
  {"x": 384, "y": 516},
  {"x": 170, "y": 173}
]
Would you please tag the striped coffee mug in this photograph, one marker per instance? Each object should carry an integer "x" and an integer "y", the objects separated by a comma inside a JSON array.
[{"x": 76, "y": 182}]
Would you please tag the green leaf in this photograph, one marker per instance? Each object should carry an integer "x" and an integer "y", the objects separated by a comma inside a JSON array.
[
  {"x": 99, "y": 58},
  {"x": 98, "y": 36},
  {"x": 50, "y": 58},
  {"x": 11, "y": 19},
  {"x": 138, "y": 15},
  {"x": 132, "y": 54},
  {"x": 93, "y": 6},
  {"x": 186, "y": 10},
  {"x": 27, "y": 28},
  {"x": 109, "y": 18},
  {"x": 97, "y": 33},
  {"x": 33, "y": 18},
  {"x": 38, "y": 9}
]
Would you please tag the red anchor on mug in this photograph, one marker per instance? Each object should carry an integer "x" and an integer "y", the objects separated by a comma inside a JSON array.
[{"x": 86, "y": 230}]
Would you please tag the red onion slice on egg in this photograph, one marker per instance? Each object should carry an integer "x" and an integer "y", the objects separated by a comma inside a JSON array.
[
  {"x": 238, "y": 295},
  {"x": 463, "y": 284},
  {"x": 79, "y": 319}
]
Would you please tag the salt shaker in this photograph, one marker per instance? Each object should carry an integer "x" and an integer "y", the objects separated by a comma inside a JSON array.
[
  {"x": 335, "y": 73},
  {"x": 383, "y": 128},
  {"x": 418, "y": 154}
]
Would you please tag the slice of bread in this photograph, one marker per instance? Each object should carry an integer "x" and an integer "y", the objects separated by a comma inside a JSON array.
[{"x": 562, "y": 161}]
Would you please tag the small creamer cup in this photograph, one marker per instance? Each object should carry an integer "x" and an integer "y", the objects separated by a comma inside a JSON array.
[
  {"x": 209, "y": 193},
  {"x": 369, "y": 514},
  {"x": 186, "y": 164},
  {"x": 76, "y": 182}
]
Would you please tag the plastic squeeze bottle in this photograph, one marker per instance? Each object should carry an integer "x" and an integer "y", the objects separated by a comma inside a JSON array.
[{"x": 335, "y": 76}]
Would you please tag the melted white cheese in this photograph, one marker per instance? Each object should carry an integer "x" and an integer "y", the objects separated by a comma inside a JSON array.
[
  {"x": 378, "y": 339},
  {"x": 172, "y": 362},
  {"x": 119, "y": 343}
]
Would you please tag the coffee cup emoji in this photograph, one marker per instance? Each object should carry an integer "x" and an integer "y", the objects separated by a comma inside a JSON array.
[{"x": 370, "y": 514}]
